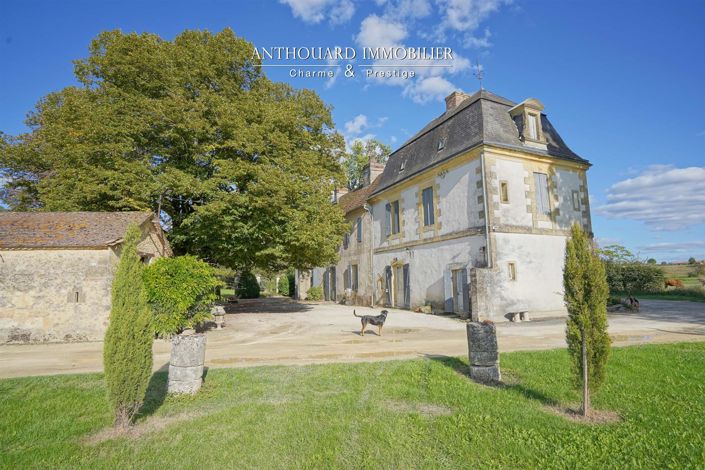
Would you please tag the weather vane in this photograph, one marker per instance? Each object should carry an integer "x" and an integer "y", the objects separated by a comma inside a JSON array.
[{"x": 479, "y": 74}]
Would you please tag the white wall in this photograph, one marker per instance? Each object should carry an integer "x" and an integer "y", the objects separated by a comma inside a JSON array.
[
  {"x": 539, "y": 268},
  {"x": 458, "y": 208},
  {"x": 567, "y": 181},
  {"x": 514, "y": 212},
  {"x": 429, "y": 267}
]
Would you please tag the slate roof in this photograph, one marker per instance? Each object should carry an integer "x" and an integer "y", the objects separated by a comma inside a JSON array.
[
  {"x": 354, "y": 199},
  {"x": 483, "y": 118},
  {"x": 66, "y": 229}
]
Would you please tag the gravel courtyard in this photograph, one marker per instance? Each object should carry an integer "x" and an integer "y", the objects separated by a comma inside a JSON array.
[{"x": 281, "y": 331}]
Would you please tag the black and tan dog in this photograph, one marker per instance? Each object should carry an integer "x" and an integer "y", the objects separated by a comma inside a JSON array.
[{"x": 377, "y": 320}]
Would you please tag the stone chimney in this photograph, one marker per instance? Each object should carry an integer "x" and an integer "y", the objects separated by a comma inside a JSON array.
[
  {"x": 371, "y": 171},
  {"x": 338, "y": 193},
  {"x": 454, "y": 99}
]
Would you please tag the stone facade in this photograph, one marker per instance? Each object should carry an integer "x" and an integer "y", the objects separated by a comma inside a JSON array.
[
  {"x": 503, "y": 195},
  {"x": 62, "y": 294}
]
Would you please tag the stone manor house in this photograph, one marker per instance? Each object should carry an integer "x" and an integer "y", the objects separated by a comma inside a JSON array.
[
  {"x": 57, "y": 268},
  {"x": 469, "y": 216}
]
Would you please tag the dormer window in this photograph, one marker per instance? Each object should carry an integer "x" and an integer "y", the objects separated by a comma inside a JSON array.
[
  {"x": 532, "y": 127},
  {"x": 401, "y": 167},
  {"x": 527, "y": 117},
  {"x": 441, "y": 144}
]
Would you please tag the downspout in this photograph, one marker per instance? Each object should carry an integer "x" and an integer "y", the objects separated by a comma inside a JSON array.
[
  {"x": 368, "y": 209},
  {"x": 487, "y": 214}
]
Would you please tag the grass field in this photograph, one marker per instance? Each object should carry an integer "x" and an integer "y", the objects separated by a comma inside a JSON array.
[
  {"x": 682, "y": 272},
  {"x": 402, "y": 414}
]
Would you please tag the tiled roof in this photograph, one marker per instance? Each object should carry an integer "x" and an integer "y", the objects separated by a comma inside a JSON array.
[
  {"x": 354, "y": 199},
  {"x": 65, "y": 229},
  {"x": 482, "y": 118}
]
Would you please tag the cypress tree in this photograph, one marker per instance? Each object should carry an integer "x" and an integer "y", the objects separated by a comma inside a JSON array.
[
  {"x": 586, "y": 294},
  {"x": 127, "y": 353}
]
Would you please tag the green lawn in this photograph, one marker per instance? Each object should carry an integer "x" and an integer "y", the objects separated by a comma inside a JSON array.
[{"x": 402, "y": 414}]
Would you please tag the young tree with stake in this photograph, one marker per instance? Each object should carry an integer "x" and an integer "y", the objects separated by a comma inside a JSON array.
[{"x": 586, "y": 294}]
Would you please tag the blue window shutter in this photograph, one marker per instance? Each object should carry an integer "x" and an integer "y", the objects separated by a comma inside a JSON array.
[
  {"x": 387, "y": 219},
  {"x": 448, "y": 291},
  {"x": 407, "y": 290},
  {"x": 543, "y": 205},
  {"x": 388, "y": 284},
  {"x": 427, "y": 202},
  {"x": 466, "y": 290}
]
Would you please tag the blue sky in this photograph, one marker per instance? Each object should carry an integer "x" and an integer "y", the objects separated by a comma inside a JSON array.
[{"x": 621, "y": 81}]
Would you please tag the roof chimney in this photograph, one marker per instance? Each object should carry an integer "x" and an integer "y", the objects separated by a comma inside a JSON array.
[
  {"x": 454, "y": 99},
  {"x": 338, "y": 193},
  {"x": 371, "y": 171}
]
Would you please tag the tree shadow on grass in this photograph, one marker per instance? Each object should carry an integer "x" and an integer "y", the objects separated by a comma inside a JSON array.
[
  {"x": 512, "y": 385},
  {"x": 156, "y": 392}
]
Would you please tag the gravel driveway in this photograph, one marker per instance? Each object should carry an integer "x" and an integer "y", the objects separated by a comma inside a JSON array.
[{"x": 281, "y": 331}]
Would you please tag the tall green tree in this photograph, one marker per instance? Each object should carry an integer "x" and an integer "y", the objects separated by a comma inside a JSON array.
[
  {"x": 239, "y": 168},
  {"x": 586, "y": 293},
  {"x": 360, "y": 154},
  {"x": 127, "y": 351}
]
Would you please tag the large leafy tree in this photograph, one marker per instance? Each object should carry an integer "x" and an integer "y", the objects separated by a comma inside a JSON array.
[
  {"x": 240, "y": 168},
  {"x": 586, "y": 293},
  {"x": 359, "y": 155}
]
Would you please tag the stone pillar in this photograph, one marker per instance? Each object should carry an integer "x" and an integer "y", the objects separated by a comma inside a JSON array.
[
  {"x": 482, "y": 348},
  {"x": 188, "y": 354}
]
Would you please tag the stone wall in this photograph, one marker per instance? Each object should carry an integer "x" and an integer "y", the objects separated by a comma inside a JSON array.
[
  {"x": 61, "y": 295},
  {"x": 55, "y": 295}
]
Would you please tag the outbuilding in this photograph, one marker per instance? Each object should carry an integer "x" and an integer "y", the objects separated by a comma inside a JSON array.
[{"x": 57, "y": 269}]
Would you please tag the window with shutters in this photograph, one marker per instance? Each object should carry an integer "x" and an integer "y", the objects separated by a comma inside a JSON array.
[
  {"x": 429, "y": 217},
  {"x": 353, "y": 277},
  {"x": 576, "y": 200},
  {"x": 532, "y": 126},
  {"x": 393, "y": 225},
  {"x": 543, "y": 205},
  {"x": 359, "y": 229}
]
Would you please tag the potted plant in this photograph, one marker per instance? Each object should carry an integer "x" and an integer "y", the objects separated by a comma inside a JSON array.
[{"x": 180, "y": 292}]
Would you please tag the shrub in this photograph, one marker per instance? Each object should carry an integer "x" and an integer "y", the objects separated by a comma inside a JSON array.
[
  {"x": 284, "y": 285},
  {"x": 291, "y": 277},
  {"x": 633, "y": 277},
  {"x": 248, "y": 287},
  {"x": 180, "y": 292},
  {"x": 127, "y": 352},
  {"x": 315, "y": 293}
]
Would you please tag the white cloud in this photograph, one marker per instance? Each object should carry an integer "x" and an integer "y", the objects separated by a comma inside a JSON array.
[
  {"x": 662, "y": 196},
  {"x": 428, "y": 89},
  {"x": 674, "y": 247},
  {"x": 342, "y": 12},
  {"x": 379, "y": 32},
  {"x": 315, "y": 11},
  {"x": 479, "y": 42},
  {"x": 466, "y": 15},
  {"x": 408, "y": 9},
  {"x": 356, "y": 125}
]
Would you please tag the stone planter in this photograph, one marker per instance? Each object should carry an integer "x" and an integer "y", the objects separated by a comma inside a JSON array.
[
  {"x": 218, "y": 313},
  {"x": 483, "y": 353},
  {"x": 188, "y": 354}
]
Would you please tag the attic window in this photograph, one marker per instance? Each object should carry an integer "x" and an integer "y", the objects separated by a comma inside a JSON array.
[
  {"x": 441, "y": 144},
  {"x": 401, "y": 167},
  {"x": 533, "y": 126}
]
